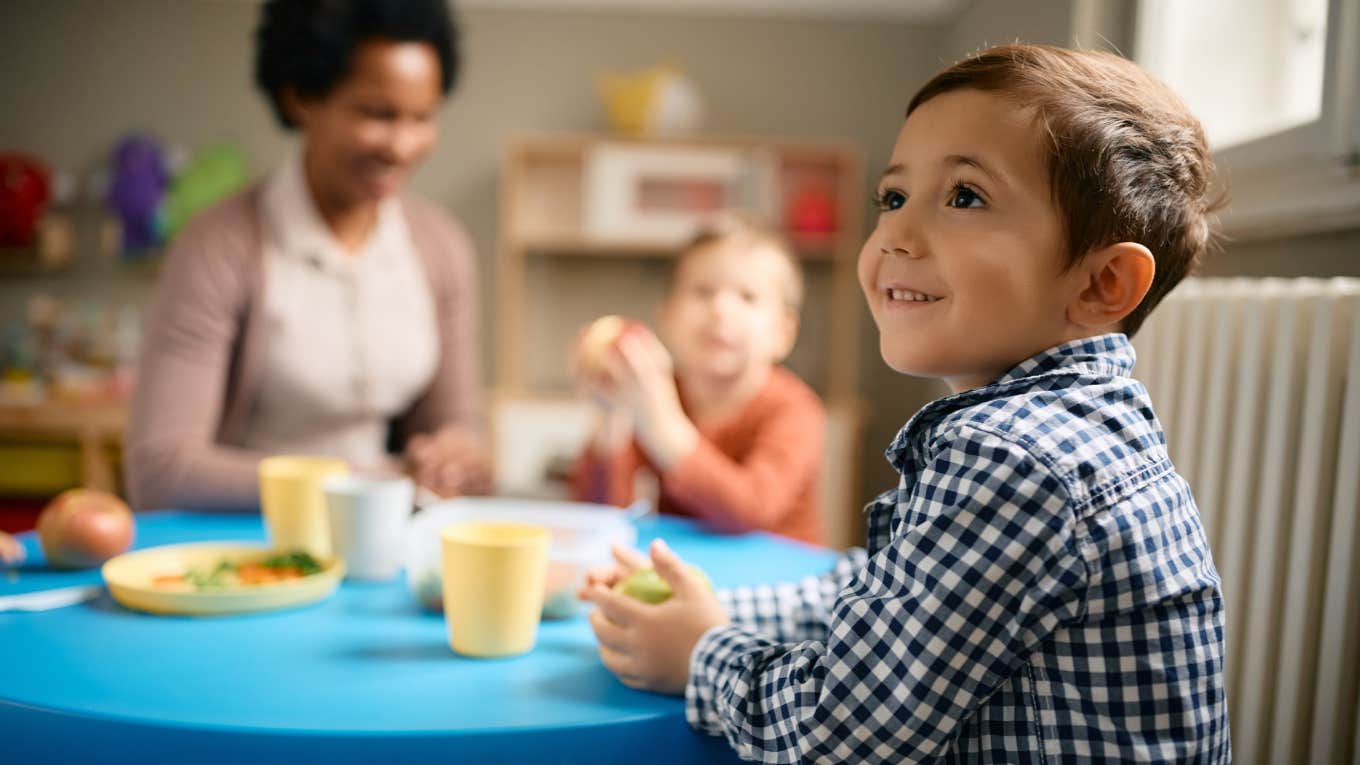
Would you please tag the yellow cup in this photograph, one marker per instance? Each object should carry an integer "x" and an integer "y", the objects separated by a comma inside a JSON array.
[
  {"x": 293, "y": 504},
  {"x": 493, "y": 586}
]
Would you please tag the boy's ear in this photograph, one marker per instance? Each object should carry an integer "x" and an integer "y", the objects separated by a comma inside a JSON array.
[{"x": 1114, "y": 280}]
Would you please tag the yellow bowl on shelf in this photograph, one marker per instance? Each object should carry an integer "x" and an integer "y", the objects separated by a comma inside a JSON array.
[{"x": 131, "y": 580}]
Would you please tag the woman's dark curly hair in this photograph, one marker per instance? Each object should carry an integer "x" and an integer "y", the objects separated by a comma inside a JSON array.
[{"x": 309, "y": 45}]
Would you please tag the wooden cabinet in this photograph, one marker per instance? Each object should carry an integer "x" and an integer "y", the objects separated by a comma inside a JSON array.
[
  {"x": 56, "y": 445},
  {"x": 589, "y": 225}
]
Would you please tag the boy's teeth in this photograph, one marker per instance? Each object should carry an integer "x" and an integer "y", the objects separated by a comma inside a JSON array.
[{"x": 918, "y": 297}]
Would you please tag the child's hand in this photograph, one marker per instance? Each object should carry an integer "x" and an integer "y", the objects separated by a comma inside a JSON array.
[
  {"x": 11, "y": 552},
  {"x": 626, "y": 561},
  {"x": 648, "y": 646},
  {"x": 646, "y": 377},
  {"x": 597, "y": 374}
]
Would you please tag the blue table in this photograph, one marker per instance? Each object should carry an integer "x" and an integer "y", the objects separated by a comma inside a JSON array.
[{"x": 363, "y": 676}]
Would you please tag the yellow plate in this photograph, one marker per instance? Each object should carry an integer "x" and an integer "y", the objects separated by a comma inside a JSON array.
[{"x": 129, "y": 577}]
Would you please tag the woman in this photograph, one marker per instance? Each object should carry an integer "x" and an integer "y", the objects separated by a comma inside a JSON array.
[{"x": 321, "y": 312}]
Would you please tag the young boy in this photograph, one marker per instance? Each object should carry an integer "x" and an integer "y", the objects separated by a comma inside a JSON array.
[
  {"x": 1038, "y": 588},
  {"x": 734, "y": 438}
]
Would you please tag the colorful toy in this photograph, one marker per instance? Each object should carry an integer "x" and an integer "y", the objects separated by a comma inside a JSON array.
[
  {"x": 25, "y": 188},
  {"x": 138, "y": 177},
  {"x": 215, "y": 172}
]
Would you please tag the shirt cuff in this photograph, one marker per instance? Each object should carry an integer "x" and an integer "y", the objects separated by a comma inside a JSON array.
[{"x": 717, "y": 650}]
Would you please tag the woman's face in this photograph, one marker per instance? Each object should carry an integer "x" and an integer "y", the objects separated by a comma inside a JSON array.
[{"x": 365, "y": 137}]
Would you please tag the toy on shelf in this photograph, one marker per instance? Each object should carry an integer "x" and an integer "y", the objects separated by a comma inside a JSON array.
[
  {"x": 137, "y": 181},
  {"x": 154, "y": 190},
  {"x": 213, "y": 173},
  {"x": 33, "y": 237},
  {"x": 25, "y": 189},
  {"x": 655, "y": 102}
]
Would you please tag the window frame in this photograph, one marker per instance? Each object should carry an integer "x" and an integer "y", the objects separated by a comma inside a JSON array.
[{"x": 1303, "y": 179}]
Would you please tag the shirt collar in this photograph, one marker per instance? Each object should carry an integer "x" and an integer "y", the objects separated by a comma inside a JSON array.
[
  {"x": 1110, "y": 355},
  {"x": 300, "y": 232}
]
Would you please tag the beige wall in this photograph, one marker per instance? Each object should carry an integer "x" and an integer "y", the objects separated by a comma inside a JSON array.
[
  {"x": 79, "y": 73},
  {"x": 76, "y": 74}
]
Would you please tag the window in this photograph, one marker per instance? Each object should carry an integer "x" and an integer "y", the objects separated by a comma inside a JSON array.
[{"x": 1275, "y": 83}]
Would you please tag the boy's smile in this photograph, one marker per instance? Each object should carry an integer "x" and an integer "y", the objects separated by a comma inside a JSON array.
[{"x": 963, "y": 273}]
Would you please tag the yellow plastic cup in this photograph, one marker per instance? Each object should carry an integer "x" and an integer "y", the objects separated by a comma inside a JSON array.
[
  {"x": 493, "y": 586},
  {"x": 293, "y": 504}
]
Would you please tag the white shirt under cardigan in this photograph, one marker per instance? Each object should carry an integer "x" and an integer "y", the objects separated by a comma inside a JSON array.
[{"x": 352, "y": 338}]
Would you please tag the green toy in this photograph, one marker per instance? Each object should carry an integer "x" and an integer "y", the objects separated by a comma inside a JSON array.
[{"x": 215, "y": 172}]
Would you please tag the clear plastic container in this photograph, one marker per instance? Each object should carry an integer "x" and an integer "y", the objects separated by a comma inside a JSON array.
[{"x": 581, "y": 535}]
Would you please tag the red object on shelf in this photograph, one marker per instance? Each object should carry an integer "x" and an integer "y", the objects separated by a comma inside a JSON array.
[
  {"x": 25, "y": 188},
  {"x": 812, "y": 210}
]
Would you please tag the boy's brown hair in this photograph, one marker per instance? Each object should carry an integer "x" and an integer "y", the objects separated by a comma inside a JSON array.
[
  {"x": 1127, "y": 161},
  {"x": 742, "y": 228}
]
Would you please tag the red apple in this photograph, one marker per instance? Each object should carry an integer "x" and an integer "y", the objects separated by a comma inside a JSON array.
[
  {"x": 600, "y": 338},
  {"x": 81, "y": 528}
]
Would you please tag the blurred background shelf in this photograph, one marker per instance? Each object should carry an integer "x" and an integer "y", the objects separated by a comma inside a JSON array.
[{"x": 56, "y": 444}]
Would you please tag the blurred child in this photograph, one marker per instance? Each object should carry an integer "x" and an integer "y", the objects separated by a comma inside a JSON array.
[
  {"x": 734, "y": 439},
  {"x": 1038, "y": 588}
]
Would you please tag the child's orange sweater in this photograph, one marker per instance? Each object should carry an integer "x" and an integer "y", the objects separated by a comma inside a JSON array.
[{"x": 760, "y": 468}]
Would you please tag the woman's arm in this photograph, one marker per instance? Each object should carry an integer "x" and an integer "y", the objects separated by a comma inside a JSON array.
[
  {"x": 171, "y": 451},
  {"x": 442, "y": 434}
]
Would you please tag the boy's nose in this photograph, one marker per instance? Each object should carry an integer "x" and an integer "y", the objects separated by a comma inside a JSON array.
[{"x": 897, "y": 251}]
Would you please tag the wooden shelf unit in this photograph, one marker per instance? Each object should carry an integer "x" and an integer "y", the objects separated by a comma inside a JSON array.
[{"x": 543, "y": 197}]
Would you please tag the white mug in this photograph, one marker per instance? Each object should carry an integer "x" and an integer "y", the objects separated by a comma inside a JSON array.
[{"x": 368, "y": 519}]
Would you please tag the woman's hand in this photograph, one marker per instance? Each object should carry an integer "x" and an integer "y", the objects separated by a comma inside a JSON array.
[
  {"x": 648, "y": 646},
  {"x": 450, "y": 462}
]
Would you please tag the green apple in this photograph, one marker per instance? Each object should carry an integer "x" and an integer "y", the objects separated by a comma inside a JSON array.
[{"x": 647, "y": 586}]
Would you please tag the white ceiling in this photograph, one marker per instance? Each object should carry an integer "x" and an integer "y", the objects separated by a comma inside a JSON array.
[{"x": 925, "y": 12}]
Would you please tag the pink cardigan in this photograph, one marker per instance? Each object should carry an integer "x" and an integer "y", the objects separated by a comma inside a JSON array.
[{"x": 203, "y": 355}]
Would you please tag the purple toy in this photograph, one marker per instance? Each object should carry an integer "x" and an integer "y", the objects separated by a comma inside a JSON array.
[{"x": 138, "y": 178}]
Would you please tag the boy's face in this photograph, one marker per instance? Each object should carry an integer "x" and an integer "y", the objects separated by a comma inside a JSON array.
[
  {"x": 963, "y": 272},
  {"x": 727, "y": 312}
]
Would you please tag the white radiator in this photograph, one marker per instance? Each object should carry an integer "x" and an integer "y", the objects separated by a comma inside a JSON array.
[{"x": 1257, "y": 383}]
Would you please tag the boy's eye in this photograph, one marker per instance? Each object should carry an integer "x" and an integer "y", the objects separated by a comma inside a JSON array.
[
  {"x": 964, "y": 197},
  {"x": 891, "y": 200}
]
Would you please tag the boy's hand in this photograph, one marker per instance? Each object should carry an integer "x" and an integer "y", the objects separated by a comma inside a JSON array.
[
  {"x": 648, "y": 646},
  {"x": 626, "y": 561}
]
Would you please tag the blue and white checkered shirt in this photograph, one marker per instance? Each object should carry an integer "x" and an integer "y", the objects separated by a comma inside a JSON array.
[{"x": 1037, "y": 589}]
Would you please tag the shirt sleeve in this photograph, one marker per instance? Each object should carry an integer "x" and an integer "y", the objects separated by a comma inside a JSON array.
[
  {"x": 754, "y": 492},
  {"x": 986, "y": 567},
  {"x": 791, "y": 612},
  {"x": 172, "y": 455}
]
